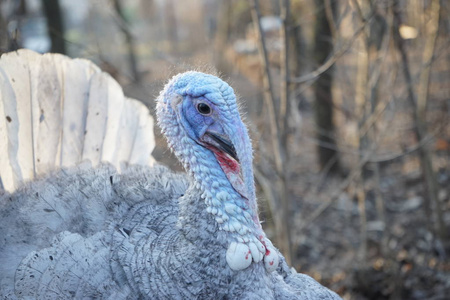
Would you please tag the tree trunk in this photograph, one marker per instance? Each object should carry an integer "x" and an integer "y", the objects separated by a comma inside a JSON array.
[
  {"x": 419, "y": 106},
  {"x": 323, "y": 47},
  {"x": 55, "y": 25},
  {"x": 4, "y": 37},
  {"x": 130, "y": 41}
]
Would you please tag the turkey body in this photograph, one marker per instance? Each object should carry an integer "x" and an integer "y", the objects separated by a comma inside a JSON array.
[
  {"x": 90, "y": 232},
  {"x": 74, "y": 228}
]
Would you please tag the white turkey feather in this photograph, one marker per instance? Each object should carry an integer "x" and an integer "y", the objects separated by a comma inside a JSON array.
[
  {"x": 47, "y": 117},
  {"x": 96, "y": 119},
  {"x": 7, "y": 175},
  {"x": 16, "y": 97},
  {"x": 127, "y": 131},
  {"x": 56, "y": 112},
  {"x": 77, "y": 75},
  {"x": 142, "y": 144},
  {"x": 115, "y": 100}
]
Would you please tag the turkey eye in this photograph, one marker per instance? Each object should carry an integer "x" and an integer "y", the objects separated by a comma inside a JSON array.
[{"x": 203, "y": 108}]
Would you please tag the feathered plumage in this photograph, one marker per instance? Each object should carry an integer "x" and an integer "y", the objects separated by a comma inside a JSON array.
[
  {"x": 57, "y": 112},
  {"x": 146, "y": 232}
]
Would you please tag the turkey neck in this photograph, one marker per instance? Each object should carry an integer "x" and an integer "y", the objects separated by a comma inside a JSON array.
[
  {"x": 194, "y": 221},
  {"x": 212, "y": 196}
]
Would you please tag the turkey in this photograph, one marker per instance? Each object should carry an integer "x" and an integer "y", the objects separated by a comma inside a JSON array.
[{"x": 117, "y": 226}]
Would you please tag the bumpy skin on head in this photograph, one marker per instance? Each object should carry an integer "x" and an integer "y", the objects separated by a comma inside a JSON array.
[{"x": 146, "y": 233}]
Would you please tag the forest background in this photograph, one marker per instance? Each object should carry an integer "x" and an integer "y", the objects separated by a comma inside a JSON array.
[{"x": 348, "y": 105}]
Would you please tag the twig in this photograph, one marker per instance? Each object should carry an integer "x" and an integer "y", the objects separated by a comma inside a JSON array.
[
  {"x": 361, "y": 101},
  {"x": 355, "y": 173},
  {"x": 421, "y": 144},
  {"x": 427, "y": 58},
  {"x": 333, "y": 58},
  {"x": 323, "y": 174},
  {"x": 284, "y": 70},
  {"x": 330, "y": 17},
  {"x": 377, "y": 108},
  {"x": 283, "y": 125},
  {"x": 268, "y": 87},
  {"x": 130, "y": 41},
  {"x": 266, "y": 186},
  {"x": 381, "y": 158}
]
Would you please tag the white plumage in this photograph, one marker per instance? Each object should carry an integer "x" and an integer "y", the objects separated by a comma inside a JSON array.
[{"x": 57, "y": 112}]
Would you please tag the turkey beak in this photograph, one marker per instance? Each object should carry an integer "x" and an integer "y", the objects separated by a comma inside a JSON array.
[
  {"x": 224, "y": 145},
  {"x": 221, "y": 144}
]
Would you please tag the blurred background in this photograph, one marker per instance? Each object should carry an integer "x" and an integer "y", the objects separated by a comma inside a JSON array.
[{"x": 347, "y": 104}]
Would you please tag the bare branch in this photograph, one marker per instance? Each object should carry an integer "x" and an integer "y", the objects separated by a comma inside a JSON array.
[
  {"x": 284, "y": 69},
  {"x": 333, "y": 58},
  {"x": 268, "y": 87}
]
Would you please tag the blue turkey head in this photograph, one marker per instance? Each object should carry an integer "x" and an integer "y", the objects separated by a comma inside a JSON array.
[{"x": 203, "y": 108}]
